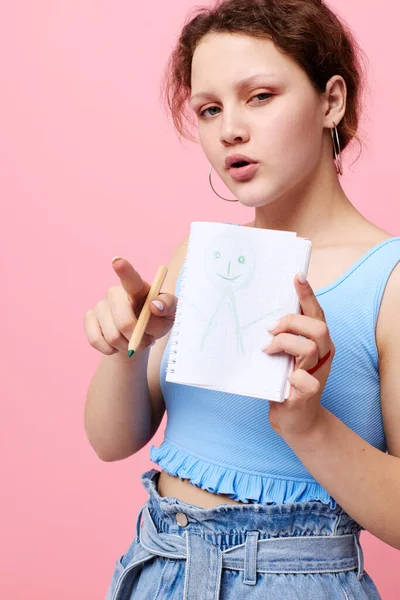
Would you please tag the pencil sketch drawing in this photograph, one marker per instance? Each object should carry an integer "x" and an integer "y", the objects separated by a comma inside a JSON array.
[{"x": 230, "y": 268}]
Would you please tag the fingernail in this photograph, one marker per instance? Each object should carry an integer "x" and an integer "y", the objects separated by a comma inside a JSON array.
[
  {"x": 273, "y": 325},
  {"x": 158, "y": 304},
  {"x": 115, "y": 259},
  {"x": 152, "y": 343},
  {"x": 265, "y": 348},
  {"x": 301, "y": 277}
]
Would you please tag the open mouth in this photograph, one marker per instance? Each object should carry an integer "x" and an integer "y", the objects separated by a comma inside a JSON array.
[
  {"x": 243, "y": 170},
  {"x": 239, "y": 164}
]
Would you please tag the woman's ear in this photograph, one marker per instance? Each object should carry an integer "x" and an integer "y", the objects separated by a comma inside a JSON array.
[{"x": 335, "y": 96}]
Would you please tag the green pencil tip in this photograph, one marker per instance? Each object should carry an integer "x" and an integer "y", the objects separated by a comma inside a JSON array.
[{"x": 130, "y": 352}]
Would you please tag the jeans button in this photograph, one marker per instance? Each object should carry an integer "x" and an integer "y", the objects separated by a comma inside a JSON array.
[{"x": 181, "y": 519}]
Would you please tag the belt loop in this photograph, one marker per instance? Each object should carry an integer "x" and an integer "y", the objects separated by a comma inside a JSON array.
[
  {"x": 360, "y": 554},
  {"x": 203, "y": 569},
  {"x": 139, "y": 520},
  {"x": 250, "y": 558}
]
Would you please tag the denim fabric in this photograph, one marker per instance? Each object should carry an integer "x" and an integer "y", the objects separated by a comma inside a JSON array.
[{"x": 303, "y": 550}]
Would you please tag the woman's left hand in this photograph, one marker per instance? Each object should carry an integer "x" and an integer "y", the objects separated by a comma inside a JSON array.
[{"x": 301, "y": 412}]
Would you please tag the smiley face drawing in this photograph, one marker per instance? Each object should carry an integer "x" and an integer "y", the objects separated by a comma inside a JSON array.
[{"x": 229, "y": 267}]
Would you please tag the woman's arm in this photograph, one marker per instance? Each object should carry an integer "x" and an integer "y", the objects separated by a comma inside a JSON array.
[
  {"x": 124, "y": 404},
  {"x": 364, "y": 480},
  {"x": 361, "y": 478}
]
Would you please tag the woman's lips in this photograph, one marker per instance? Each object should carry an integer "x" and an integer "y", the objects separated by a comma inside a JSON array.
[{"x": 243, "y": 173}]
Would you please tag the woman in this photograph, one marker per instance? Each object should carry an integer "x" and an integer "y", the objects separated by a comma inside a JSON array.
[{"x": 257, "y": 499}]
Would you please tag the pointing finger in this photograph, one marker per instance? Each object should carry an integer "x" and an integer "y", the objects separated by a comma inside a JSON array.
[{"x": 136, "y": 288}]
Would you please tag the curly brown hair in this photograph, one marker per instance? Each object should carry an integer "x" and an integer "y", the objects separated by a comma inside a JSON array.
[{"x": 305, "y": 30}]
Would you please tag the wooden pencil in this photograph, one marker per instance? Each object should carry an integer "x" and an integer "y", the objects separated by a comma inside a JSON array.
[{"x": 145, "y": 313}]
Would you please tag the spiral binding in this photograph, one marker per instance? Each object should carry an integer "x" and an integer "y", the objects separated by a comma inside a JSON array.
[{"x": 170, "y": 368}]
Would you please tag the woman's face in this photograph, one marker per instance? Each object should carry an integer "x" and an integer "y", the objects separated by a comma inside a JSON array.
[{"x": 276, "y": 119}]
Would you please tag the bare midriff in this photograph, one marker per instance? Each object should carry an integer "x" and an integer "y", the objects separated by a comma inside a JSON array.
[{"x": 184, "y": 490}]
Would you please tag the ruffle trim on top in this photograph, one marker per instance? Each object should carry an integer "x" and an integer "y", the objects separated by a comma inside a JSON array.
[{"x": 245, "y": 487}]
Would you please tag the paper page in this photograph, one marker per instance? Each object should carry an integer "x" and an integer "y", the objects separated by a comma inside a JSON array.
[{"x": 237, "y": 281}]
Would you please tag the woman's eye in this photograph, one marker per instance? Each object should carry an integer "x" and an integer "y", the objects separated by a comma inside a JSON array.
[
  {"x": 262, "y": 94},
  {"x": 203, "y": 112}
]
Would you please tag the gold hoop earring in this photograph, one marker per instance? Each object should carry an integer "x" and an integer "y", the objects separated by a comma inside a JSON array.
[
  {"x": 338, "y": 162},
  {"x": 212, "y": 187}
]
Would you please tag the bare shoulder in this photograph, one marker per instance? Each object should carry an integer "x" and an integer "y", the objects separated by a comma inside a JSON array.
[
  {"x": 389, "y": 304},
  {"x": 387, "y": 337},
  {"x": 389, "y": 315},
  {"x": 156, "y": 352}
]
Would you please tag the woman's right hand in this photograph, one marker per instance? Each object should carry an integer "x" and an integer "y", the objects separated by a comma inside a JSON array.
[{"x": 110, "y": 324}]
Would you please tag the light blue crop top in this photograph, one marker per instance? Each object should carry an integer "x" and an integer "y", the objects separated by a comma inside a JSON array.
[{"x": 224, "y": 442}]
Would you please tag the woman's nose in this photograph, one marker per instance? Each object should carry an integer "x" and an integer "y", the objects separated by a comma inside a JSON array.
[{"x": 233, "y": 131}]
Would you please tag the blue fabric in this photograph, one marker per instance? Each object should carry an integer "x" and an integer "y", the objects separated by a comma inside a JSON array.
[
  {"x": 286, "y": 552},
  {"x": 224, "y": 443}
]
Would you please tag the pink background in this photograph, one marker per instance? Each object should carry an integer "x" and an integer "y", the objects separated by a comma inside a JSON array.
[{"x": 90, "y": 168}]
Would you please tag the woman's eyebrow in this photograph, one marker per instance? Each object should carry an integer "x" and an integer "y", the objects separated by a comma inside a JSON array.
[{"x": 238, "y": 86}]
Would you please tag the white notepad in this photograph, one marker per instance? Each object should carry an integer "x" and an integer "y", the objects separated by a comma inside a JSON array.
[{"x": 236, "y": 281}]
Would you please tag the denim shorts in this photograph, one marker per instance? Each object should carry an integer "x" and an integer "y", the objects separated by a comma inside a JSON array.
[{"x": 304, "y": 550}]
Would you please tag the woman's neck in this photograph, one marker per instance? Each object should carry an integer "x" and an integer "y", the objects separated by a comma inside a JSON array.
[{"x": 322, "y": 213}]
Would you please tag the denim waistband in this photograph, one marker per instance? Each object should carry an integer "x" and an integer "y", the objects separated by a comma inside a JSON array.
[
  {"x": 250, "y": 538},
  {"x": 273, "y": 520}
]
